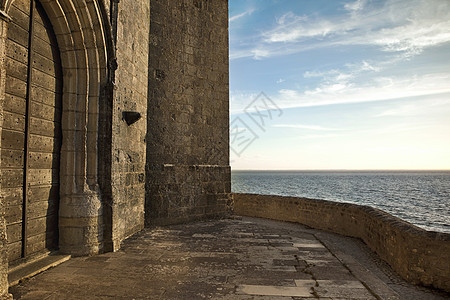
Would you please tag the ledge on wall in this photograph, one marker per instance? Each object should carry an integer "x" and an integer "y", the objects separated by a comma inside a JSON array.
[{"x": 28, "y": 270}]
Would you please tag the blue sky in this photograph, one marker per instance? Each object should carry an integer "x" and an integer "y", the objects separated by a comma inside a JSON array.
[{"x": 339, "y": 84}]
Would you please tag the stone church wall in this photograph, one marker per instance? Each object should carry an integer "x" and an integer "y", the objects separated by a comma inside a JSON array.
[
  {"x": 128, "y": 141},
  {"x": 3, "y": 242},
  {"x": 188, "y": 174},
  {"x": 144, "y": 118}
]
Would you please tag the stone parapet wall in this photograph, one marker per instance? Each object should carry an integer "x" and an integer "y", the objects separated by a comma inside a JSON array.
[{"x": 419, "y": 256}]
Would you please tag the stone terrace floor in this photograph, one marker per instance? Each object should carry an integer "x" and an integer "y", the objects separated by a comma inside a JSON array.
[{"x": 236, "y": 258}]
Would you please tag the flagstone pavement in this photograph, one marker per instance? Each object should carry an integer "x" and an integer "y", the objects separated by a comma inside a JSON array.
[{"x": 234, "y": 258}]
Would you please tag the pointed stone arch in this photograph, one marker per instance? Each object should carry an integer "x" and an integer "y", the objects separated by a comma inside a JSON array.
[
  {"x": 5, "y": 5},
  {"x": 84, "y": 37}
]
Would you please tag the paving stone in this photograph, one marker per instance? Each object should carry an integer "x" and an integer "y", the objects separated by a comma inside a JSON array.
[
  {"x": 305, "y": 283},
  {"x": 308, "y": 245},
  {"x": 267, "y": 290},
  {"x": 340, "y": 284},
  {"x": 346, "y": 293},
  {"x": 220, "y": 259},
  {"x": 207, "y": 236},
  {"x": 255, "y": 297},
  {"x": 317, "y": 262}
]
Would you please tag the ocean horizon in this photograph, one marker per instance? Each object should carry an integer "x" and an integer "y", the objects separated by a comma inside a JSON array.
[{"x": 420, "y": 197}]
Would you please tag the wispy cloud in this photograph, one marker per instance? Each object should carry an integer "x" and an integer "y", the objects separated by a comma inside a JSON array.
[
  {"x": 364, "y": 66},
  {"x": 239, "y": 100},
  {"x": 260, "y": 53},
  {"x": 356, "y": 5},
  {"x": 319, "y": 136},
  {"x": 397, "y": 29},
  {"x": 292, "y": 28},
  {"x": 305, "y": 126},
  {"x": 415, "y": 108},
  {"x": 377, "y": 89},
  {"x": 397, "y": 26},
  {"x": 245, "y": 13},
  {"x": 392, "y": 129},
  {"x": 379, "y": 71},
  {"x": 332, "y": 92}
]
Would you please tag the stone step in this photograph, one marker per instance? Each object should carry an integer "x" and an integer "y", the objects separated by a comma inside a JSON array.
[{"x": 32, "y": 268}]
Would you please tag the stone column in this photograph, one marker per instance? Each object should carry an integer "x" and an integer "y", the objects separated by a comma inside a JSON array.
[{"x": 4, "y": 19}]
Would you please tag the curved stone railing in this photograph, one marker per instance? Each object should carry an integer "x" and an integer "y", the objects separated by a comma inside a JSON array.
[{"x": 419, "y": 256}]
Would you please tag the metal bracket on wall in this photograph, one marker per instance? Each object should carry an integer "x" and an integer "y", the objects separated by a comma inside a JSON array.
[{"x": 130, "y": 117}]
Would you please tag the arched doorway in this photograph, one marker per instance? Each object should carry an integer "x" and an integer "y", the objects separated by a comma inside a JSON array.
[
  {"x": 31, "y": 137},
  {"x": 87, "y": 57}
]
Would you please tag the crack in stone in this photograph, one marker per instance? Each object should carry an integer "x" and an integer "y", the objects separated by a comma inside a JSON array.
[{"x": 309, "y": 272}]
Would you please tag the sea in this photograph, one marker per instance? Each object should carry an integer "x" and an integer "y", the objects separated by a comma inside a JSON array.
[{"x": 419, "y": 197}]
